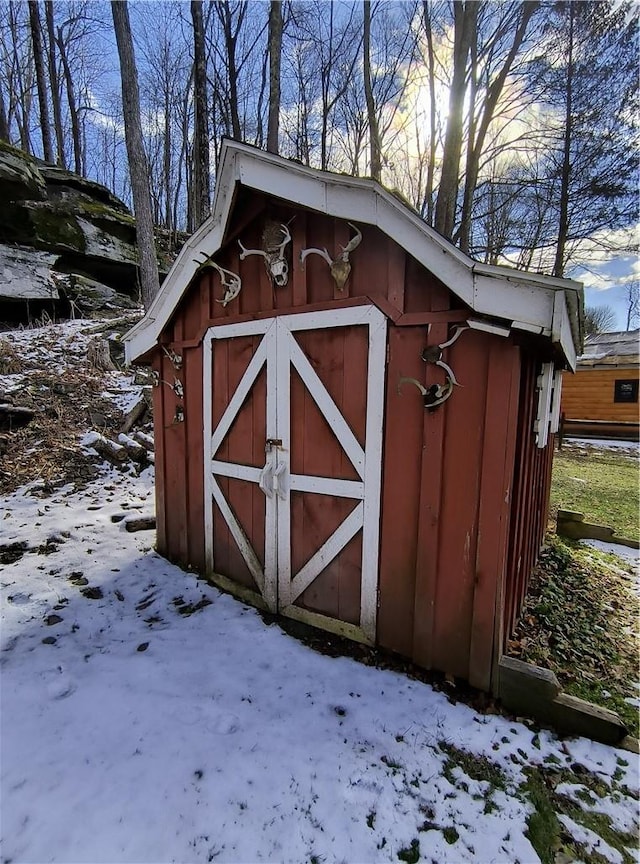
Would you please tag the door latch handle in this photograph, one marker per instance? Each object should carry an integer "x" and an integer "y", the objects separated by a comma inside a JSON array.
[
  {"x": 266, "y": 480},
  {"x": 279, "y": 481}
]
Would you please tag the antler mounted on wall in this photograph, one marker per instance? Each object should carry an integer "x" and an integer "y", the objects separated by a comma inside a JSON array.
[
  {"x": 273, "y": 252},
  {"x": 231, "y": 282},
  {"x": 340, "y": 266}
]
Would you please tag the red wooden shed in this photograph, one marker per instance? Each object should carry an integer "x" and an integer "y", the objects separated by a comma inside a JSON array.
[{"x": 354, "y": 420}]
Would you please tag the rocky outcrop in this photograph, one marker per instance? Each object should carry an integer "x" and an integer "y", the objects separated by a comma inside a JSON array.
[{"x": 63, "y": 239}]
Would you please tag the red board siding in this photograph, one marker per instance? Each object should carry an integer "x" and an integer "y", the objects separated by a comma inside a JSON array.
[
  {"x": 464, "y": 487},
  {"x": 447, "y": 473},
  {"x": 530, "y": 498}
]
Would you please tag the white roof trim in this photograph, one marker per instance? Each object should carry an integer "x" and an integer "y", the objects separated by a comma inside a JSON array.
[{"x": 534, "y": 301}]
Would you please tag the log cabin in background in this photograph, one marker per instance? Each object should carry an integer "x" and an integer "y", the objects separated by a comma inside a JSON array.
[
  {"x": 601, "y": 399},
  {"x": 354, "y": 421}
]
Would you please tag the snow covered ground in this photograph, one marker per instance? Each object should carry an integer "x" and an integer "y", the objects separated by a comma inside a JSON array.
[
  {"x": 631, "y": 448},
  {"x": 147, "y": 717}
]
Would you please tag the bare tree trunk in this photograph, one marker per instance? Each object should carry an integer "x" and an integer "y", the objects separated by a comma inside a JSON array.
[
  {"x": 22, "y": 93},
  {"x": 275, "y": 54},
  {"x": 470, "y": 174},
  {"x": 4, "y": 123},
  {"x": 433, "y": 140},
  {"x": 374, "y": 132},
  {"x": 41, "y": 83},
  {"x": 262, "y": 91},
  {"x": 166, "y": 163},
  {"x": 55, "y": 84},
  {"x": 201, "y": 138},
  {"x": 465, "y": 17},
  {"x": 230, "y": 39},
  {"x": 476, "y": 140},
  {"x": 563, "y": 222},
  {"x": 138, "y": 167},
  {"x": 73, "y": 108}
]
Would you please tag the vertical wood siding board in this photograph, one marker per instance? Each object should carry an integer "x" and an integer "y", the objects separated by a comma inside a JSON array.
[
  {"x": 191, "y": 311},
  {"x": 531, "y": 504},
  {"x": 260, "y": 291},
  {"x": 376, "y": 363},
  {"x": 195, "y": 457},
  {"x": 240, "y": 446},
  {"x": 403, "y": 446},
  {"x": 548, "y": 479},
  {"x": 341, "y": 234},
  {"x": 258, "y": 456},
  {"x": 493, "y": 511},
  {"x": 298, "y": 230},
  {"x": 517, "y": 505},
  {"x": 322, "y": 352},
  {"x": 529, "y": 479},
  {"x": 282, "y": 393},
  {"x": 167, "y": 401},
  {"x": 220, "y": 369},
  {"x": 205, "y": 299},
  {"x": 431, "y": 297},
  {"x": 240, "y": 438},
  {"x": 462, "y": 458},
  {"x": 501, "y": 620},
  {"x": 520, "y": 499},
  {"x": 271, "y": 431},
  {"x": 354, "y": 406},
  {"x": 396, "y": 274},
  {"x": 428, "y": 547},
  {"x": 207, "y": 411},
  {"x": 175, "y": 465},
  {"x": 183, "y": 435},
  {"x": 349, "y": 335},
  {"x": 541, "y": 516},
  {"x": 178, "y": 326},
  {"x": 536, "y": 495},
  {"x": 160, "y": 459},
  {"x": 319, "y": 236}
]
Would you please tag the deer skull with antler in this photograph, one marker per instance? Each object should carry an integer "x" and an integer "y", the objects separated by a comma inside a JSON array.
[
  {"x": 340, "y": 266},
  {"x": 231, "y": 282},
  {"x": 273, "y": 253}
]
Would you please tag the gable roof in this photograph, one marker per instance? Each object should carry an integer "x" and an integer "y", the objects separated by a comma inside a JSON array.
[{"x": 539, "y": 304}]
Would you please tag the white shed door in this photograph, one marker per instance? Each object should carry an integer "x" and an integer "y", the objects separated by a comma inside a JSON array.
[{"x": 293, "y": 450}]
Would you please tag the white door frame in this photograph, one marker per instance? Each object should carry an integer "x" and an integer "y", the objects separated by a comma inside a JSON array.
[{"x": 280, "y": 352}]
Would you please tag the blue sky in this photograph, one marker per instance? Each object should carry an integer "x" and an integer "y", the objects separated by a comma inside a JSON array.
[{"x": 606, "y": 275}]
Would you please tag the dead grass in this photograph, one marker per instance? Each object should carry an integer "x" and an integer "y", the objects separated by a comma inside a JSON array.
[
  {"x": 10, "y": 363},
  {"x": 46, "y": 449}
]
